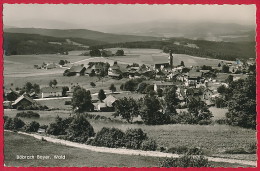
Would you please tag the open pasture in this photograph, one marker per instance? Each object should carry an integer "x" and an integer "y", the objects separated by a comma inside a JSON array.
[
  {"x": 140, "y": 55},
  {"x": 213, "y": 138}
]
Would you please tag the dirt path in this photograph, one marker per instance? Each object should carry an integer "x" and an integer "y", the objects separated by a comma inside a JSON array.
[{"x": 132, "y": 152}]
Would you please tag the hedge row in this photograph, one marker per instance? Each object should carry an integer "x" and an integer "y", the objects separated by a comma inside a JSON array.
[{"x": 131, "y": 139}]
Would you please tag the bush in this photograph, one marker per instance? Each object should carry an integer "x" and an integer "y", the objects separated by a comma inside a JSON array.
[
  {"x": 251, "y": 148},
  {"x": 195, "y": 151},
  {"x": 8, "y": 124},
  {"x": 185, "y": 161},
  {"x": 133, "y": 138},
  {"x": 185, "y": 118},
  {"x": 178, "y": 150},
  {"x": 32, "y": 127},
  {"x": 13, "y": 124},
  {"x": 205, "y": 122},
  {"x": 67, "y": 102},
  {"x": 28, "y": 114},
  {"x": 149, "y": 145},
  {"x": 221, "y": 121},
  {"x": 79, "y": 129},
  {"x": 109, "y": 137},
  {"x": 59, "y": 126}
]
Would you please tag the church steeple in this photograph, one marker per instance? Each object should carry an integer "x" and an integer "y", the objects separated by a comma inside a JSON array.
[{"x": 171, "y": 59}]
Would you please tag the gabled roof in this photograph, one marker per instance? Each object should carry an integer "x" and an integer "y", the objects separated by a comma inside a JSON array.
[
  {"x": 21, "y": 98},
  {"x": 121, "y": 67},
  {"x": 51, "y": 89},
  {"x": 96, "y": 66},
  {"x": 109, "y": 100}
]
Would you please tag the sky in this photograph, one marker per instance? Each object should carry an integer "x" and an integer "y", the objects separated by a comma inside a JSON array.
[{"x": 91, "y": 16}]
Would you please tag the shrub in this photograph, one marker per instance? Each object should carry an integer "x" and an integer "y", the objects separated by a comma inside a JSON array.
[
  {"x": 205, "y": 122},
  {"x": 134, "y": 138},
  {"x": 221, "y": 121},
  {"x": 109, "y": 137},
  {"x": 32, "y": 127},
  {"x": 185, "y": 161},
  {"x": 43, "y": 127},
  {"x": 17, "y": 123},
  {"x": 251, "y": 148},
  {"x": 67, "y": 102},
  {"x": 185, "y": 118},
  {"x": 59, "y": 126},
  {"x": 8, "y": 124},
  {"x": 178, "y": 150},
  {"x": 195, "y": 151},
  {"x": 13, "y": 124},
  {"x": 28, "y": 114},
  {"x": 149, "y": 145},
  {"x": 79, "y": 129}
]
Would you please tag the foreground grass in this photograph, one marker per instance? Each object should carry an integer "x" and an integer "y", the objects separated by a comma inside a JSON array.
[
  {"x": 214, "y": 139},
  {"x": 75, "y": 157}
]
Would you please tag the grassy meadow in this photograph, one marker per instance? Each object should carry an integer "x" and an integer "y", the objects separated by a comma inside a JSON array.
[
  {"x": 75, "y": 157},
  {"x": 214, "y": 139}
]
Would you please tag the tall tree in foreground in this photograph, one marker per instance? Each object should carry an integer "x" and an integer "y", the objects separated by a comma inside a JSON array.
[
  {"x": 127, "y": 108},
  {"x": 81, "y": 100},
  {"x": 242, "y": 105}
]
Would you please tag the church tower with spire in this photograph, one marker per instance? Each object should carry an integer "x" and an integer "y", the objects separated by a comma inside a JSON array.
[{"x": 170, "y": 59}]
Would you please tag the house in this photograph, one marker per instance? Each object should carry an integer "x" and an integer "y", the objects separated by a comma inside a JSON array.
[
  {"x": 161, "y": 74},
  {"x": 75, "y": 70},
  {"x": 207, "y": 94},
  {"x": 194, "y": 78},
  {"x": 118, "y": 70},
  {"x": 24, "y": 100},
  {"x": 51, "y": 92},
  {"x": 107, "y": 105},
  {"x": 156, "y": 62},
  {"x": 109, "y": 101},
  {"x": 162, "y": 85},
  {"x": 50, "y": 66}
]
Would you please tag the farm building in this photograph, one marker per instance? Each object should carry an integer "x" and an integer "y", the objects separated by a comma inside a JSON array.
[
  {"x": 24, "y": 101},
  {"x": 207, "y": 94},
  {"x": 96, "y": 69},
  {"x": 109, "y": 101},
  {"x": 194, "y": 78},
  {"x": 51, "y": 92},
  {"x": 75, "y": 70},
  {"x": 50, "y": 66},
  {"x": 118, "y": 70}
]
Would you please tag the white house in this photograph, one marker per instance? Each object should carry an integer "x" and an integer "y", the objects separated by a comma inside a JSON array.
[{"x": 51, "y": 92}]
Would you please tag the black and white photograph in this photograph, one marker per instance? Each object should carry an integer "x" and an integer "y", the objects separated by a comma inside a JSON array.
[{"x": 129, "y": 85}]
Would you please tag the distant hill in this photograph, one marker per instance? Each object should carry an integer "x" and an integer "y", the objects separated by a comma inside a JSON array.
[
  {"x": 201, "y": 48},
  {"x": 82, "y": 33},
  {"x": 25, "y": 44},
  {"x": 212, "y": 31}
]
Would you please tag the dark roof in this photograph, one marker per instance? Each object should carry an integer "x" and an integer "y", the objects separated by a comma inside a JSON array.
[
  {"x": 77, "y": 68},
  {"x": 121, "y": 67},
  {"x": 51, "y": 89},
  {"x": 194, "y": 74},
  {"x": 23, "y": 97}
]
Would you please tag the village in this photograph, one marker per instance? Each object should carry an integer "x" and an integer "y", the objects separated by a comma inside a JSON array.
[{"x": 160, "y": 73}]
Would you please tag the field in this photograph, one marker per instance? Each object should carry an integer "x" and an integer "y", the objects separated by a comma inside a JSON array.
[
  {"x": 225, "y": 137},
  {"x": 75, "y": 157}
]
